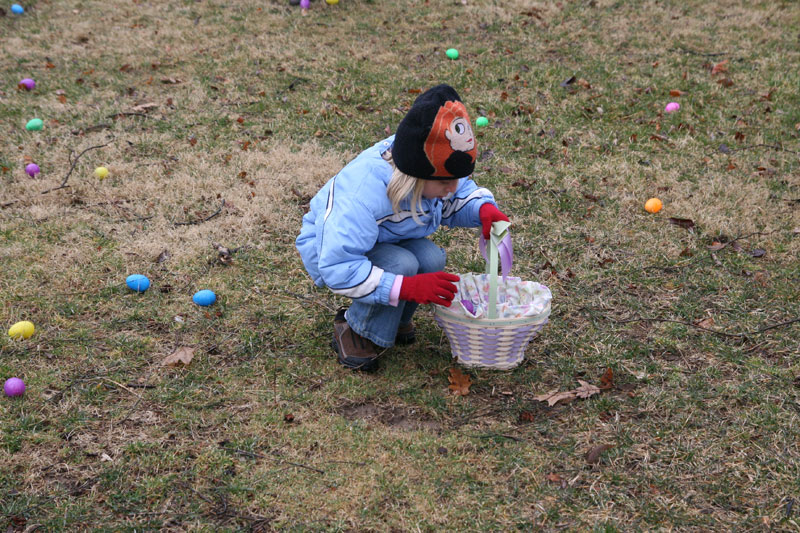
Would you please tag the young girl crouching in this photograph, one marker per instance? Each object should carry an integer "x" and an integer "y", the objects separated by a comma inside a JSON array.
[{"x": 365, "y": 234}]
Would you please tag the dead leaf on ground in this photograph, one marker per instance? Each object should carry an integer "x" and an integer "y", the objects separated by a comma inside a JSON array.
[
  {"x": 459, "y": 382},
  {"x": 722, "y": 66},
  {"x": 705, "y": 323},
  {"x": 144, "y": 108},
  {"x": 593, "y": 455},
  {"x": 554, "y": 396},
  {"x": 586, "y": 389},
  {"x": 607, "y": 380},
  {"x": 686, "y": 223},
  {"x": 171, "y": 81},
  {"x": 676, "y": 92},
  {"x": 554, "y": 478},
  {"x": 180, "y": 357}
]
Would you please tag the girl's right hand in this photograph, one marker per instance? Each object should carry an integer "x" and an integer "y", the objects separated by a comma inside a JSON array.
[{"x": 434, "y": 288}]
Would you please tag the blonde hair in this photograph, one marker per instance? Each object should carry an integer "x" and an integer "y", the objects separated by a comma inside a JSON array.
[{"x": 402, "y": 186}]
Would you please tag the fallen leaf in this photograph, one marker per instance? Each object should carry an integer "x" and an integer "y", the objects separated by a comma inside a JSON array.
[
  {"x": 171, "y": 81},
  {"x": 676, "y": 92},
  {"x": 593, "y": 455},
  {"x": 144, "y": 108},
  {"x": 716, "y": 246},
  {"x": 758, "y": 252},
  {"x": 586, "y": 389},
  {"x": 607, "y": 379},
  {"x": 163, "y": 256},
  {"x": 554, "y": 478},
  {"x": 105, "y": 458},
  {"x": 459, "y": 382},
  {"x": 554, "y": 396},
  {"x": 180, "y": 357},
  {"x": 288, "y": 417},
  {"x": 705, "y": 323},
  {"x": 724, "y": 149},
  {"x": 526, "y": 416},
  {"x": 725, "y": 82},
  {"x": 722, "y": 66},
  {"x": 686, "y": 223},
  {"x": 62, "y": 98},
  {"x": 568, "y": 81}
]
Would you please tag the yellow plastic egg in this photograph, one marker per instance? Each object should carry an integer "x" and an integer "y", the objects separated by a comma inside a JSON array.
[
  {"x": 101, "y": 172},
  {"x": 332, "y": 2},
  {"x": 653, "y": 205},
  {"x": 21, "y": 330}
]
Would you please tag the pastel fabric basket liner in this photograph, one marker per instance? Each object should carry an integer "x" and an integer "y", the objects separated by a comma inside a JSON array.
[{"x": 480, "y": 336}]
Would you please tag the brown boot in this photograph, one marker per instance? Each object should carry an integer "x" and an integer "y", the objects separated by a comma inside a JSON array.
[
  {"x": 406, "y": 334},
  {"x": 354, "y": 351}
]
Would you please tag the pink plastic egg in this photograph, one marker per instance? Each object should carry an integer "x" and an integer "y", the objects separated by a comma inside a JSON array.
[
  {"x": 14, "y": 387},
  {"x": 672, "y": 107},
  {"x": 32, "y": 169}
]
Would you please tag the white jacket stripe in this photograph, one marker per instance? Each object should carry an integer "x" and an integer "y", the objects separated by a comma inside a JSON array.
[{"x": 365, "y": 287}]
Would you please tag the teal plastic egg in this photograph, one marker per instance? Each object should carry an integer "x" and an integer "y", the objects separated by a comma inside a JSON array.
[
  {"x": 204, "y": 297},
  {"x": 137, "y": 282}
]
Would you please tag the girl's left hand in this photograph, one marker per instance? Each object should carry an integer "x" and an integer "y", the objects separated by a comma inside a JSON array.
[{"x": 489, "y": 214}]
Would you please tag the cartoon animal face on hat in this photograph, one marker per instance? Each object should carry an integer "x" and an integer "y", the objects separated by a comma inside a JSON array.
[{"x": 434, "y": 141}]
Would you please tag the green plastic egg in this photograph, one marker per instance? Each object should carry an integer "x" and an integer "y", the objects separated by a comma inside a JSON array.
[
  {"x": 481, "y": 122},
  {"x": 452, "y": 53},
  {"x": 34, "y": 124}
]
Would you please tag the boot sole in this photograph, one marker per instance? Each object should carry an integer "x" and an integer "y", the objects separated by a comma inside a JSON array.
[{"x": 361, "y": 364}]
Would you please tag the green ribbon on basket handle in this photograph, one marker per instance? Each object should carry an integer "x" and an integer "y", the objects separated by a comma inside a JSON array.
[{"x": 500, "y": 255}]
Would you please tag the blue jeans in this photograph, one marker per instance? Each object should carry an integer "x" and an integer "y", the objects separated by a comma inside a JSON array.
[{"x": 377, "y": 322}]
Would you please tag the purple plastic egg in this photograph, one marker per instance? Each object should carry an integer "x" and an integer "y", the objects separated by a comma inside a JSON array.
[
  {"x": 14, "y": 387},
  {"x": 32, "y": 169},
  {"x": 305, "y": 3},
  {"x": 27, "y": 84}
]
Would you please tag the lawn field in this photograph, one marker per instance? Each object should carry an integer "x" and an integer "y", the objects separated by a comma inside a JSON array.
[{"x": 218, "y": 120}]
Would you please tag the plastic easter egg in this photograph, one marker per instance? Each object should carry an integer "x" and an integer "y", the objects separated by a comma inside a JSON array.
[
  {"x": 137, "y": 282},
  {"x": 481, "y": 122},
  {"x": 32, "y": 169},
  {"x": 653, "y": 205},
  {"x": 101, "y": 172},
  {"x": 17, "y": 9},
  {"x": 305, "y": 3},
  {"x": 34, "y": 124},
  {"x": 27, "y": 84},
  {"x": 21, "y": 330},
  {"x": 204, "y": 297},
  {"x": 14, "y": 387},
  {"x": 672, "y": 107},
  {"x": 332, "y": 2},
  {"x": 452, "y": 53}
]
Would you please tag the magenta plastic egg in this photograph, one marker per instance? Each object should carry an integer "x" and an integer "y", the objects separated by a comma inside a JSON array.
[
  {"x": 32, "y": 169},
  {"x": 305, "y": 3},
  {"x": 14, "y": 387},
  {"x": 27, "y": 84},
  {"x": 672, "y": 107}
]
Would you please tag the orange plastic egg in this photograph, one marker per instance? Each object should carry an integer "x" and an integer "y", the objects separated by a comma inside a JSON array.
[{"x": 653, "y": 205}]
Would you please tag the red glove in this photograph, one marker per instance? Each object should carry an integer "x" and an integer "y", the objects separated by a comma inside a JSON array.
[
  {"x": 433, "y": 288},
  {"x": 489, "y": 213}
]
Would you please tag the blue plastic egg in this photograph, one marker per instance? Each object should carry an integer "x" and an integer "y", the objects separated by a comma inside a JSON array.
[
  {"x": 137, "y": 282},
  {"x": 17, "y": 9},
  {"x": 204, "y": 297}
]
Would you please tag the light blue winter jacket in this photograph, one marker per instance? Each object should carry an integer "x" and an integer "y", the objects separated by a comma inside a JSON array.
[{"x": 352, "y": 213}]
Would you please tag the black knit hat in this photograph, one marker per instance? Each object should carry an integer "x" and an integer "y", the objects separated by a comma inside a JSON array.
[{"x": 434, "y": 141}]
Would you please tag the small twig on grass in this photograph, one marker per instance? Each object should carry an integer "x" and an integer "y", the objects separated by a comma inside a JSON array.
[
  {"x": 500, "y": 435},
  {"x": 311, "y": 300},
  {"x": 75, "y": 162},
  {"x": 200, "y": 221},
  {"x": 697, "y": 326},
  {"x": 262, "y": 456},
  {"x": 128, "y": 114},
  {"x": 694, "y": 52}
]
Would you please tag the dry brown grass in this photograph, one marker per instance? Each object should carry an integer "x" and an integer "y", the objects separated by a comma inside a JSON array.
[{"x": 268, "y": 106}]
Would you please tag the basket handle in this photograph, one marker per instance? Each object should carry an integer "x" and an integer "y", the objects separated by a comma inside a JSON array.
[{"x": 500, "y": 255}]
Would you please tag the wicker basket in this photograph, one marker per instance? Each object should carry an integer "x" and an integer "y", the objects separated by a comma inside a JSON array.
[{"x": 497, "y": 343}]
